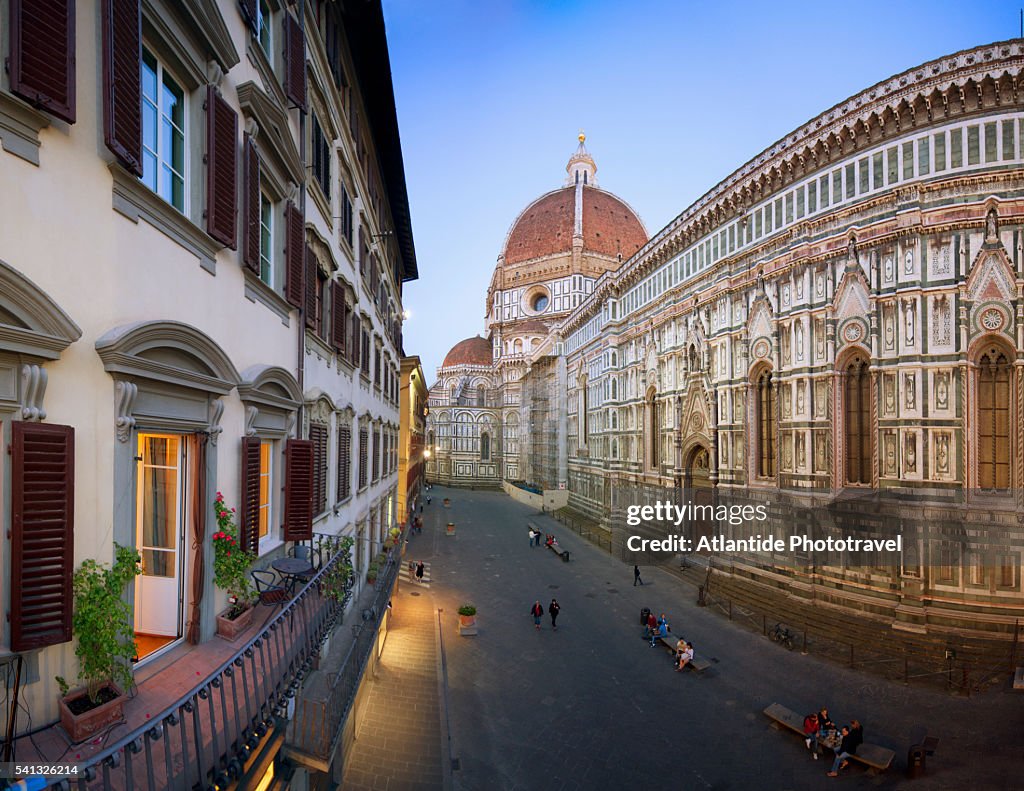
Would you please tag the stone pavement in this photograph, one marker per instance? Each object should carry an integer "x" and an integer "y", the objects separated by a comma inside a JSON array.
[
  {"x": 591, "y": 706},
  {"x": 398, "y": 746}
]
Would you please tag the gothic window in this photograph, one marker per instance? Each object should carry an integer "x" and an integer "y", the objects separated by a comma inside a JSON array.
[
  {"x": 653, "y": 432},
  {"x": 857, "y": 420},
  {"x": 993, "y": 420},
  {"x": 765, "y": 400},
  {"x": 481, "y": 396},
  {"x": 485, "y": 447}
]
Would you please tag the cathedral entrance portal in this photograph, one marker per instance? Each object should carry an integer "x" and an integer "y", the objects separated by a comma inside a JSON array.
[{"x": 698, "y": 490}]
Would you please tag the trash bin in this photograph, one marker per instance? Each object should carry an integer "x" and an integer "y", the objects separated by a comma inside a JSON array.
[
  {"x": 916, "y": 757},
  {"x": 646, "y": 611}
]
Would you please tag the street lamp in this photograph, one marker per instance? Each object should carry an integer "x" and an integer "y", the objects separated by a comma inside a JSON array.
[{"x": 426, "y": 460}]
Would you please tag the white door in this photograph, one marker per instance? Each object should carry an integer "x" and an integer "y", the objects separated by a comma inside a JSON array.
[{"x": 160, "y": 535}]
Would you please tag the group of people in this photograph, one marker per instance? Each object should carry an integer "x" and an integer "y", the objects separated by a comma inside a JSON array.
[
  {"x": 537, "y": 611},
  {"x": 820, "y": 730},
  {"x": 656, "y": 628},
  {"x": 416, "y": 570},
  {"x": 534, "y": 537}
]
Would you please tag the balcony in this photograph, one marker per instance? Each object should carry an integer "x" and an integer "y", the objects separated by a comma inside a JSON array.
[{"x": 210, "y": 716}]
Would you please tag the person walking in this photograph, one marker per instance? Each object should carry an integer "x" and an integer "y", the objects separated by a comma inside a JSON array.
[
  {"x": 636, "y": 576},
  {"x": 553, "y": 610},
  {"x": 537, "y": 612},
  {"x": 419, "y": 571}
]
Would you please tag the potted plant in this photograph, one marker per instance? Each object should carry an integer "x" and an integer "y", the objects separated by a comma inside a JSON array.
[
  {"x": 467, "y": 619},
  {"x": 102, "y": 623},
  {"x": 336, "y": 583},
  {"x": 450, "y": 529},
  {"x": 231, "y": 564},
  {"x": 372, "y": 571}
]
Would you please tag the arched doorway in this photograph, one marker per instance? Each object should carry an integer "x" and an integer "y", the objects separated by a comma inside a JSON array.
[{"x": 698, "y": 490}]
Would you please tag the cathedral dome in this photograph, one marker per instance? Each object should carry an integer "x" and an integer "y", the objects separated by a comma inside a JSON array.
[
  {"x": 472, "y": 351},
  {"x": 605, "y": 223}
]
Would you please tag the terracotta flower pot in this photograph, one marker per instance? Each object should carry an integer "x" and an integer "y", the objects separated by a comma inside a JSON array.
[
  {"x": 231, "y": 628},
  {"x": 82, "y": 725},
  {"x": 467, "y": 624},
  {"x": 450, "y": 529}
]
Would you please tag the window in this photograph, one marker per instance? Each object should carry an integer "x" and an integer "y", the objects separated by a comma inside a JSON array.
[
  {"x": 266, "y": 240},
  {"x": 163, "y": 132},
  {"x": 993, "y": 420},
  {"x": 265, "y": 513},
  {"x": 263, "y": 27},
  {"x": 318, "y": 433},
  {"x": 481, "y": 395},
  {"x": 540, "y": 302},
  {"x": 485, "y": 447},
  {"x": 344, "y": 460},
  {"x": 346, "y": 215},
  {"x": 857, "y": 418},
  {"x": 321, "y": 157},
  {"x": 376, "y": 454},
  {"x": 653, "y": 430},
  {"x": 765, "y": 424}
]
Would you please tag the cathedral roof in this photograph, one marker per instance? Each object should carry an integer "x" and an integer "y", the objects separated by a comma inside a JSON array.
[{"x": 472, "y": 351}]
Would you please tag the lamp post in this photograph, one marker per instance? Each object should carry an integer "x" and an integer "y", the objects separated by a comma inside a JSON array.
[{"x": 426, "y": 460}]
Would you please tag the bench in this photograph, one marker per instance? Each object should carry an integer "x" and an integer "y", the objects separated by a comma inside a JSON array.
[
  {"x": 697, "y": 664},
  {"x": 871, "y": 755},
  {"x": 555, "y": 547}
]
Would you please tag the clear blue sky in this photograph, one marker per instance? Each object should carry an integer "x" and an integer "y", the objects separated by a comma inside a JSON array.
[{"x": 673, "y": 97}]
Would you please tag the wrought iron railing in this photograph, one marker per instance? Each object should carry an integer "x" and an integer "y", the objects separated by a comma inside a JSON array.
[
  {"x": 317, "y": 723},
  {"x": 204, "y": 738}
]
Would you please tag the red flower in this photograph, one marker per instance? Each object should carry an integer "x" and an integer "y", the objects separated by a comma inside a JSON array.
[{"x": 229, "y": 553}]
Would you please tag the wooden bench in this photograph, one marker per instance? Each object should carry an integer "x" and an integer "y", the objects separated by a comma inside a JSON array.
[
  {"x": 555, "y": 547},
  {"x": 871, "y": 755},
  {"x": 697, "y": 664}
]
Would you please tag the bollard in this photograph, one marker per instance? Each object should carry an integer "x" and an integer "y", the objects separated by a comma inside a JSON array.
[
  {"x": 916, "y": 761},
  {"x": 700, "y": 597}
]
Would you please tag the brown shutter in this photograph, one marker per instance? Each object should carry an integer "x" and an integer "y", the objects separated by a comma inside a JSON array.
[
  {"x": 249, "y": 12},
  {"x": 294, "y": 62},
  {"x": 251, "y": 219},
  {"x": 42, "y": 59},
  {"x": 312, "y": 284},
  {"x": 318, "y": 434},
  {"x": 353, "y": 340},
  {"x": 294, "y": 255},
  {"x": 249, "y": 521},
  {"x": 122, "y": 82},
  {"x": 339, "y": 317},
  {"x": 298, "y": 490},
  {"x": 42, "y": 534},
  {"x": 221, "y": 169}
]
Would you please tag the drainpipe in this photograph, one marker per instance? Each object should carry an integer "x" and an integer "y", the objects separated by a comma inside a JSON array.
[{"x": 301, "y": 335}]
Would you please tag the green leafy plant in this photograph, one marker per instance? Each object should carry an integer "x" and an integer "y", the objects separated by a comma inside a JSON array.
[
  {"x": 103, "y": 623},
  {"x": 467, "y": 609},
  {"x": 337, "y": 578},
  {"x": 372, "y": 570},
  {"x": 231, "y": 561}
]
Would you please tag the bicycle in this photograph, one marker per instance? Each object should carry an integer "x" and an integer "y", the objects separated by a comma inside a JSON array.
[{"x": 783, "y": 636}]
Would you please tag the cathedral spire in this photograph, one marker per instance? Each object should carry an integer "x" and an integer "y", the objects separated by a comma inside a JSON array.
[{"x": 581, "y": 168}]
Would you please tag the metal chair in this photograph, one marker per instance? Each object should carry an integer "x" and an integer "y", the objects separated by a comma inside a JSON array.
[{"x": 269, "y": 591}]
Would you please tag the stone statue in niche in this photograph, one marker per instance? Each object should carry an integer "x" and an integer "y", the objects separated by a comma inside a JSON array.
[
  {"x": 942, "y": 390},
  {"x": 910, "y": 452},
  {"x": 992, "y": 226},
  {"x": 909, "y": 315},
  {"x": 851, "y": 253},
  {"x": 909, "y": 391}
]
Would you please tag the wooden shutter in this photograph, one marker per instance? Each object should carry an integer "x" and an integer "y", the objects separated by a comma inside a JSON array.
[
  {"x": 319, "y": 436},
  {"x": 339, "y": 316},
  {"x": 344, "y": 460},
  {"x": 251, "y": 210},
  {"x": 221, "y": 169},
  {"x": 312, "y": 284},
  {"x": 42, "y": 58},
  {"x": 294, "y": 62},
  {"x": 249, "y": 519},
  {"x": 294, "y": 254},
  {"x": 249, "y": 12},
  {"x": 122, "y": 82},
  {"x": 42, "y": 534},
  {"x": 298, "y": 490}
]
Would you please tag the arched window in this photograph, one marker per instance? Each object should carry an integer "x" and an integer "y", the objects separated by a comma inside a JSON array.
[
  {"x": 430, "y": 438},
  {"x": 857, "y": 420},
  {"x": 485, "y": 446},
  {"x": 615, "y": 390},
  {"x": 517, "y": 346},
  {"x": 765, "y": 400},
  {"x": 993, "y": 420},
  {"x": 452, "y": 395},
  {"x": 481, "y": 395}
]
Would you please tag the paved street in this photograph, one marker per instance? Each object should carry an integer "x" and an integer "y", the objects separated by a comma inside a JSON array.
[{"x": 591, "y": 706}]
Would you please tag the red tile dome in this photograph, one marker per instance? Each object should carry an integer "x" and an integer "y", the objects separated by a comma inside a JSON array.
[{"x": 472, "y": 351}]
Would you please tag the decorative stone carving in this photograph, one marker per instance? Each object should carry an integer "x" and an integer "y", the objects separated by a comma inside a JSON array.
[
  {"x": 889, "y": 394},
  {"x": 33, "y": 388},
  {"x": 887, "y": 269},
  {"x": 251, "y": 413},
  {"x": 214, "y": 428},
  {"x": 889, "y": 457},
  {"x": 799, "y": 340},
  {"x": 124, "y": 400},
  {"x": 910, "y": 453},
  {"x": 909, "y": 320},
  {"x": 943, "y": 454},
  {"x": 942, "y": 381},
  {"x": 910, "y": 391},
  {"x": 942, "y": 322},
  {"x": 908, "y": 262},
  {"x": 992, "y": 226}
]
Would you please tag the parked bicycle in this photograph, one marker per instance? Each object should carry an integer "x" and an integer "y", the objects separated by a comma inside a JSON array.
[{"x": 780, "y": 634}]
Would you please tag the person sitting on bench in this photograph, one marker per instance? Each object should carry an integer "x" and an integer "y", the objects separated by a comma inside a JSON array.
[
  {"x": 853, "y": 737},
  {"x": 651, "y": 625},
  {"x": 661, "y": 631},
  {"x": 685, "y": 657},
  {"x": 550, "y": 539},
  {"x": 811, "y": 733}
]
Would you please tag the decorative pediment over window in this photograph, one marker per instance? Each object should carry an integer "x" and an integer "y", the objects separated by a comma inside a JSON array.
[
  {"x": 851, "y": 300},
  {"x": 273, "y": 134},
  {"x": 30, "y": 322},
  {"x": 759, "y": 325},
  {"x": 991, "y": 277},
  {"x": 271, "y": 397}
]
